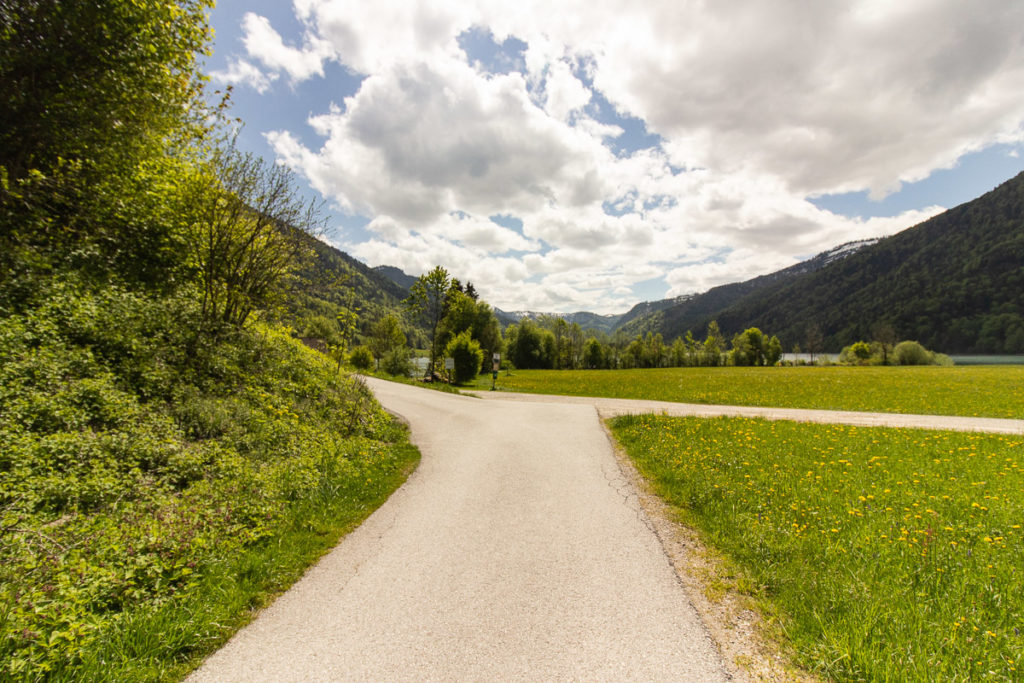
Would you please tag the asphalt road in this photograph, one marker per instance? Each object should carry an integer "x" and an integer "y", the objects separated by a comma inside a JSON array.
[{"x": 517, "y": 551}]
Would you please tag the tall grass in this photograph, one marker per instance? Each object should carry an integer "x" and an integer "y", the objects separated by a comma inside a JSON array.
[{"x": 893, "y": 554}]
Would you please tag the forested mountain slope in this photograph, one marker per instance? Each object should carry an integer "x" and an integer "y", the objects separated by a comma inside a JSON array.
[
  {"x": 330, "y": 280},
  {"x": 955, "y": 283},
  {"x": 693, "y": 312}
]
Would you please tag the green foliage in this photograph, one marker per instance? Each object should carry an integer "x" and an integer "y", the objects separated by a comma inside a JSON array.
[
  {"x": 469, "y": 314},
  {"x": 361, "y": 358},
  {"x": 858, "y": 353},
  {"x": 243, "y": 216},
  {"x": 593, "y": 357},
  {"x": 773, "y": 351},
  {"x": 888, "y": 554},
  {"x": 158, "y": 439},
  {"x": 428, "y": 299},
  {"x": 385, "y": 336},
  {"x": 324, "y": 329},
  {"x": 911, "y": 353},
  {"x": 530, "y": 346},
  {"x": 468, "y": 356},
  {"x": 396, "y": 362},
  {"x": 133, "y": 462},
  {"x": 95, "y": 82},
  {"x": 98, "y": 96}
]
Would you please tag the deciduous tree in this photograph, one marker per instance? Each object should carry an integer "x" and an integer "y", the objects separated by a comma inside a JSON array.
[{"x": 428, "y": 298}]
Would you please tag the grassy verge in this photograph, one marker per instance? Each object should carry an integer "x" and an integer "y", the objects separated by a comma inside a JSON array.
[
  {"x": 167, "y": 641},
  {"x": 156, "y": 485},
  {"x": 893, "y": 555},
  {"x": 979, "y": 391}
]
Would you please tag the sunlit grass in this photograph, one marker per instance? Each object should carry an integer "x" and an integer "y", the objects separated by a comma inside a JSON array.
[
  {"x": 988, "y": 391},
  {"x": 894, "y": 554}
]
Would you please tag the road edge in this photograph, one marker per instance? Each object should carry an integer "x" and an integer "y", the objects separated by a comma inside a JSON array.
[{"x": 731, "y": 619}]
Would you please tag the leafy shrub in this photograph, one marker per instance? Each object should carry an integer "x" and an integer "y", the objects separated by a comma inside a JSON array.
[
  {"x": 396, "y": 362},
  {"x": 911, "y": 353},
  {"x": 858, "y": 353},
  {"x": 468, "y": 356},
  {"x": 361, "y": 358},
  {"x": 136, "y": 458}
]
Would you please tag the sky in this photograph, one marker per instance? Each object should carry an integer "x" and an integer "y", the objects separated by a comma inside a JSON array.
[{"x": 587, "y": 155}]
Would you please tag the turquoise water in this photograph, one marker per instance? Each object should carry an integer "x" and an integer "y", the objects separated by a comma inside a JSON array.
[{"x": 988, "y": 360}]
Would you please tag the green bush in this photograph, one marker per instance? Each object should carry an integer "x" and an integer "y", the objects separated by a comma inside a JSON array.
[
  {"x": 396, "y": 362},
  {"x": 136, "y": 458},
  {"x": 858, "y": 353},
  {"x": 361, "y": 358},
  {"x": 911, "y": 353},
  {"x": 468, "y": 357}
]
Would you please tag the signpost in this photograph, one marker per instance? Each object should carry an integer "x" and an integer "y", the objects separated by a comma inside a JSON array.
[
  {"x": 497, "y": 366},
  {"x": 449, "y": 366}
]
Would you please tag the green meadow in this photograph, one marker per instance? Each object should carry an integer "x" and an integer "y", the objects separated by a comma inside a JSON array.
[
  {"x": 881, "y": 554},
  {"x": 985, "y": 391}
]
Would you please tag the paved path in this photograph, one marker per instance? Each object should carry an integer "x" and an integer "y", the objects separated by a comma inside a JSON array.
[
  {"x": 516, "y": 551},
  {"x": 610, "y": 407}
]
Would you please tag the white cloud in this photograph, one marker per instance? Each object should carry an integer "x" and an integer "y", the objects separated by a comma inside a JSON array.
[
  {"x": 265, "y": 44},
  {"x": 759, "y": 106},
  {"x": 419, "y": 141},
  {"x": 241, "y": 72},
  {"x": 564, "y": 92}
]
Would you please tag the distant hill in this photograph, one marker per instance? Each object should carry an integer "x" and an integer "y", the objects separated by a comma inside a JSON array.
[
  {"x": 955, "y": 283},
  {"x": 396, "y": 275},
  {"x": 695, "y": 311},
  {"x": 331, "y": 279},
  {"x": 647, "y": 308},
  {"x": 594, "y": 322}
]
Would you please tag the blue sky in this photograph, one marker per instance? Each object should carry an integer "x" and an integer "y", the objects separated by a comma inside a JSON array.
[{"x": 561, "y": 166}]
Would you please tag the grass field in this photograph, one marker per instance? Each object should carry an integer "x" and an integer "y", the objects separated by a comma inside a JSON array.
[
  {"x": 988, "y": 391},
  {"x": 891, "y": 554}
]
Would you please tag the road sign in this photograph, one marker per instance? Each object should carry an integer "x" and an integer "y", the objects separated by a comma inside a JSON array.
[
  {"x": 497, "y": 362},
  {"x": 449, "y": 363}
]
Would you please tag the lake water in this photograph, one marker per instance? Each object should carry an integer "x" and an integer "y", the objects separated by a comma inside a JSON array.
[
  {"x": 988, "y": 360},
  {"x": 806, "y": 357},
  {"x": 958, "y": 360}
]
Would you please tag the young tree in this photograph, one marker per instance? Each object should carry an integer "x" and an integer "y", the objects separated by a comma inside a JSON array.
[
  {"x": 244, "y": 220},
  {"x": 593, "y": 356},
  {"x": 714, "y": 345},
  {"x": 813, "y": 340},
  {"x": 885, "y": 335},
  {"x": 386, "y": 334},
  {"x": 773, "y": 351},
  {"x": 755, "y": 345},
  {"x": 576, "y": 341},
  {"x": 428, "y": 298}
]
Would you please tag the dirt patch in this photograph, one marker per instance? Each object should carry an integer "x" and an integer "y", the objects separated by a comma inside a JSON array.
[{"x": 731, "y": 618}]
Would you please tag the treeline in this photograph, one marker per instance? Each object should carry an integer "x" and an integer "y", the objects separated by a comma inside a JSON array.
[
  {"x": 458, "y": 324},
  {"x": 552, "y": 343}
]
